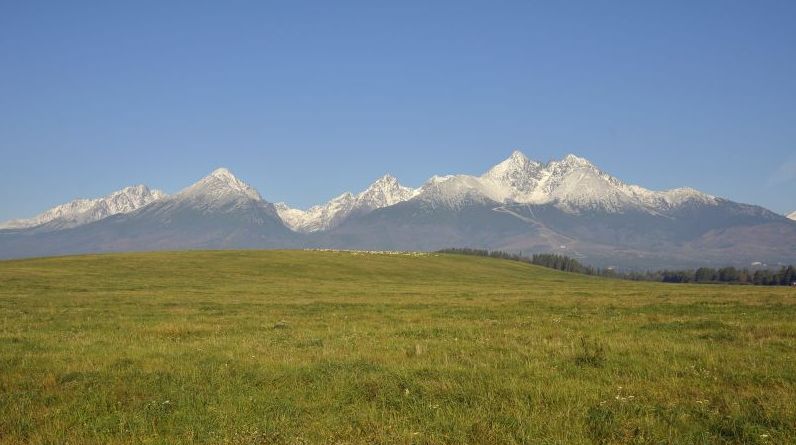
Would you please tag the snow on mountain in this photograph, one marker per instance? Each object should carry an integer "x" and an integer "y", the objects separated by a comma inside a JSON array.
[
  {"x": 217, "y": 209},
  {"x": 572, "y": 184},
  {"x": 219, "y": 193},
  {"x": 518, "y": 176},
  {"x": 217, "y": 187},
  {"x": 83, "y": 211},
  {"x": 316, "y": 218},
  {"x": 220, "y": 189},
  {"x": 293, "y": 218},
  {"x": 386, "y": 191},
  {"x": 792, "y": 215},
  {"x": 456, "y": 191}
]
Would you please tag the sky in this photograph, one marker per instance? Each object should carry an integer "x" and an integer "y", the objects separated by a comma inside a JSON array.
[{"x": 306, "y": 100}]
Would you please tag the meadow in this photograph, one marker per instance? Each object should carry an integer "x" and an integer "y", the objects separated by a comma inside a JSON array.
[{"x": 303, "y": 347}]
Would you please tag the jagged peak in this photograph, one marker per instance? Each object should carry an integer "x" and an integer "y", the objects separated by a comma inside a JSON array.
[
  {"x": 343, "y": 197},
  {"x": 572, "y": 159},
  {"x": 516, "y": 163},
  {"x": 517, "y": 155},
  {"x": 225, "y": 175},
  {"x": 385, "y": 191},
  {"x": 84, "y": 210},
  {"x": 140, "y": 190},
  {"x": 386, "y": 182},
  {"x": 220, "y": 181},
  {"x": 386, "y": 178},
  {"x": 518, "y": 158},
  {"x": 436, "y": 179}
]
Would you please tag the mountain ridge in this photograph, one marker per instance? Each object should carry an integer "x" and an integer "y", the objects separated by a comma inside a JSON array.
[
  {"x": 385, "y": 191},
  {"x": 567, "y": 206},
  {"x": 82, "y": 211},
  {"x": 572, "y": 183}
]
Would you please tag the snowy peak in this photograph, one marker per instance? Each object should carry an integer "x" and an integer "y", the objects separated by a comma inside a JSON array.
[
  {"x": 517, "y": 176},
  {"x": 515, "y": 166},
  {"x": 792, "y": 215},
  {"x": 386, "y": 181},
  {"x": 220, "y": 184},
  {"x": 574, "y": 161},
  {"x": 225, "y": 175},
  {"x": 83, "y": 211},
  {"x": 572, "y": 184},
  {"x": 457, "y": 191},
  {"x": 384, "y": 192}
]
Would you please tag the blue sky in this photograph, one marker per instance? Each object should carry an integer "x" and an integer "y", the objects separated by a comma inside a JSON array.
[{"x": 305, "y": 100}]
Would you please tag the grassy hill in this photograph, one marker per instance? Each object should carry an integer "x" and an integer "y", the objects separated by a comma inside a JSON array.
[{"x": 294, "y": 347}]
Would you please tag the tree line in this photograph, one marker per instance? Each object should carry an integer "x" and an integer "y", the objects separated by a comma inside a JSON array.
[{"x": 785, "y": 276}]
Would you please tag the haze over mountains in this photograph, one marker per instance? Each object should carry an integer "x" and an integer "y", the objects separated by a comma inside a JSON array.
[
  {"x": 567, "y": 206},
  {"x": 82, "y": 211}
]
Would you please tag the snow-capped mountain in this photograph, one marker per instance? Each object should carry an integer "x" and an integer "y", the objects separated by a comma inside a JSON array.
[
  {"x": 218, "y": 189},
  {"x": 564, "y": 206},
  {"x": 386, "y": 191},
  {"x": 219, "y": 194},
  {"x": 217, "y": 212},
  {"x": 792, "y": 215},
  {"x": 572, "y": 184},
  {"x": 570, "y": 206},
  {"x": 220, "y": 184},
  {"x": 83, "y": 211}
]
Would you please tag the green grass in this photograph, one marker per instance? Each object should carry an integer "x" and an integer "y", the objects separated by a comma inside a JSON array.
[{"x": 251, "y": 347}]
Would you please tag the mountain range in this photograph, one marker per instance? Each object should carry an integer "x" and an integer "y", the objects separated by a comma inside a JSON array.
[{"x": 566, "y": 206}]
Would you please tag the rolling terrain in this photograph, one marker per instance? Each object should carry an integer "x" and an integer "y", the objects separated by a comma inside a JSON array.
[{"x": 306, "y": 347}]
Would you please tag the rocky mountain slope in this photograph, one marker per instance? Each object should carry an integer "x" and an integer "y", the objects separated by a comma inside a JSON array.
[
  {"x": 84, "y": 211},
  {"x": 566, "y": 206}
]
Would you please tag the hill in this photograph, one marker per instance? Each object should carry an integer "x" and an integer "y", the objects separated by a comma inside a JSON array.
[{"x": 313, "y": 347}]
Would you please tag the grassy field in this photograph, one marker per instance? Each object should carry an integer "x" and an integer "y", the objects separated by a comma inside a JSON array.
[{"x": 291, "y": 347}]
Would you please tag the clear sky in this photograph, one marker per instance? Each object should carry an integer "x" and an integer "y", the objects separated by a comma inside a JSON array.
[{"x": 305, "y": 100}]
